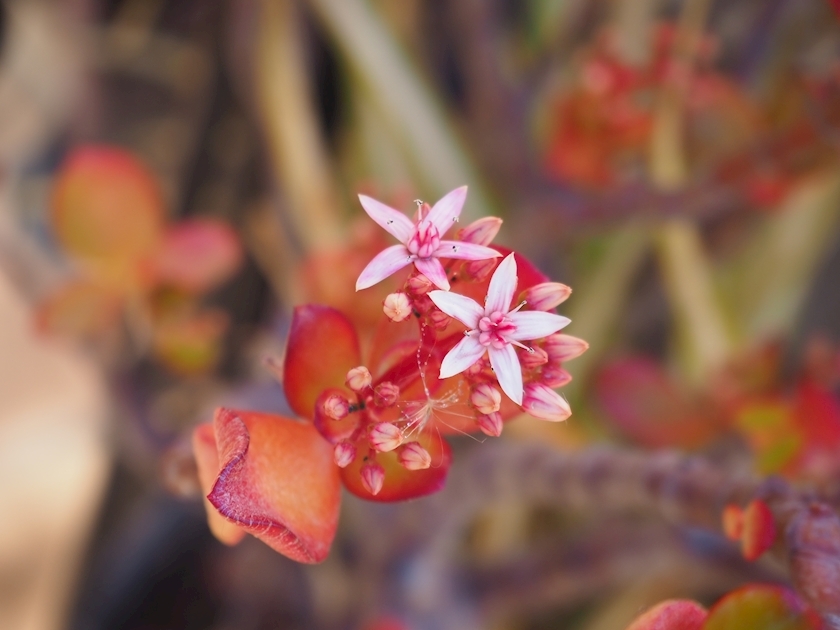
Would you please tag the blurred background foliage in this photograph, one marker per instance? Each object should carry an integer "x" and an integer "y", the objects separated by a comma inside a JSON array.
[{"x": 675, "y": 161}]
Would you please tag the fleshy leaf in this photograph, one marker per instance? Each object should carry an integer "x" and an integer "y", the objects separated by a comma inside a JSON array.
[
  {"x": 79, "y": 309},
  {"x": 198, "y": 254},
  {"x": 674, "y": 614},
  {"x": 207, "y": 461},
  {"x": 190, "y": 344},
  {"x": 761, "y": 606},
  {"x": 107, "y": 210},
  {"x": 400, "y": 483},
  {"x": 759, "y": 530},
  {"x": 645, "y": 404},
  {"x": 277, "y": 481},
  {"x": 322, "y": 348}
]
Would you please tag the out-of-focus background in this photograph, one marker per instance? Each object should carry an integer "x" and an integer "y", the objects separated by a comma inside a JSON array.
[{"x": 176, "y": 175}]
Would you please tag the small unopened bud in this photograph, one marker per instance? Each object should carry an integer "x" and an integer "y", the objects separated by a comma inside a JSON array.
[
  {"x": 336, "y": 407},
  {"x": 475, "y": 370},
  {"x": 481, "y": 232},
  {"x": 373, "y": 476},
  {"x": 561, "y": 347},
  {"x": 419, "y": 284},
  {"x": 478, "y": 270},
  {"x": 358, "y": 378},
  {"x": 533, "y": 358},
  {"x": 546, "y": 295},
  {"x": 439, "y": 319},
  {"x": 344, "y": 454},
  {"x": 554, "y": 376},
  {"x": 385, "y": 437},
  {"x": 544, "y": 403},
  {"x": 414, "y": 457},
  {"x": 386, "y": 394},
  {"x": 490, "y": 424},
  {"x": 486, "y": 398},
  {"x": 423, "y": 304},
  {"x": 397, "y": 307}
]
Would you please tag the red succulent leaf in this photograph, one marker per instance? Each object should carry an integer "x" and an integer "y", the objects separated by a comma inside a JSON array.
[
  {"x": 108, "y": 211},
  {"x": 322, "y": 348},
  {"x": 761, "y": 606},
  {"x": 207, "y": 461},
  {"x": 646, "y": 405},
  {"x": 674, "y": 614},
  {"x": 197, "y": 255},
  {"x": 276, "y": 480},
  {"x": 400, "y": 483},
  {"x": 759, "y": 530},
  {"x": 733, "y": 522}
]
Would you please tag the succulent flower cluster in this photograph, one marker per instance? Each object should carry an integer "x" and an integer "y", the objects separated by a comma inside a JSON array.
[{"x": 466, "y": 342}]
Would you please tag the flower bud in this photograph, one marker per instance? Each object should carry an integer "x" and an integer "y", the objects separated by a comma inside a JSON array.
[
  {"x": 533, "y": 358},
  {"x": 358, "y": 378},
  {"x": 344, "y": 454},
  {"x": 554, "y": 376},
  {"x": 397, "y": 307},
  {"x": 544, "y": 403},
  {"x": 478, "y": 270},
  {"x": 561, "y": 347},
  {"x": 546, "y": 295},
  {"x": 373, "y": 476},
  {"x": 336, "y": 407},
  {"x": 486, "y": 398},
  {"x": 385, "y": 437},
  {"x": 439, "y": 319},
  {"x": 490, "y": 424},
  {"x": 386, "y": 394},
  {"x": 475, "y": 370},
  {"x": 414, "y": 457},
  {"x": 419, "y": 284},
  {"x": 480, "y": 232}
]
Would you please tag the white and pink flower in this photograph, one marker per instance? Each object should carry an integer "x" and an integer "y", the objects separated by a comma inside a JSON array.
[
  {"x": 420, "y": 240},
  {"x": 495, "y": 328}
]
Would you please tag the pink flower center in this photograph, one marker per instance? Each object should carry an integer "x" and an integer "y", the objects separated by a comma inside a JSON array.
[
  {"x": 425, "y": 240},
  {"x": 493, "y": 328}
]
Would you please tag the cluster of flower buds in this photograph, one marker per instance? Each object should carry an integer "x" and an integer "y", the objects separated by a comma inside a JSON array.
[{"x": 509, "y": 358}]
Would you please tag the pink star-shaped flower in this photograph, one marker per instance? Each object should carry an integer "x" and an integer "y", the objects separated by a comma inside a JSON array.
[
  {"x": 495, "y": 328},
  {"x": 420, "y": 241}
]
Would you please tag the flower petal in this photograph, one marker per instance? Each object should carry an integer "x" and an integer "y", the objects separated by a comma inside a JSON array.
[
  {"x": 464, "y": 251},
  {"x": 444, "y": 214},
  {"x": 392, "y": 221},
  {"x": 464, "y": 309},
  {"x": 390, "y": 260},
  {"x": 402, "y": 484},
  {"x": 502, "y": 286},
  {"x": 508, "y": 370},
  {"x": 322, "y": 348},
  {"x": 462, "y": 356},
  {"x": 277, "y": 481},
  {"x": 535, "y": 324},
  {"x": 434, "y": 271}
]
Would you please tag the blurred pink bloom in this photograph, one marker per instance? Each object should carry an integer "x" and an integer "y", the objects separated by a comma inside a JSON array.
[
  {"x": 420, "y": 241},
  {"x": 496, "y": 328}
]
